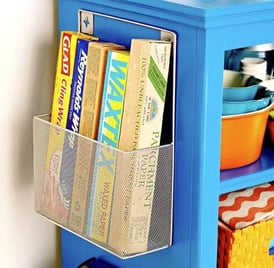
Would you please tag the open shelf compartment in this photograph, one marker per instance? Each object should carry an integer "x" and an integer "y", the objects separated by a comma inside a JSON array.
[{"x": 261, "y": 170}]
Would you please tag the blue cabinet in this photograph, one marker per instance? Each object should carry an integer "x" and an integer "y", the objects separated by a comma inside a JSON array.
[{"x": 205, "y": 30}]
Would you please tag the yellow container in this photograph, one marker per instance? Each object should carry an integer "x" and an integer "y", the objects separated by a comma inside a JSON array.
[{"x": 247, "y": 247}]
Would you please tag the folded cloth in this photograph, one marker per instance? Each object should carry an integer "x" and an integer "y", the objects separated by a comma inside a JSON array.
[{"x": 242, "y": 208}]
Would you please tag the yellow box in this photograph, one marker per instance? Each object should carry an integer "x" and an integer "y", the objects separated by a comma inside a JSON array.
[
  {"x": 247, "y": 247},
  {"x": 246, "y": 228}
]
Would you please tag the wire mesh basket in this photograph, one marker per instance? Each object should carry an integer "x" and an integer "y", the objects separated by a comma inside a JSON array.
[{"x": 120, "y": 201}]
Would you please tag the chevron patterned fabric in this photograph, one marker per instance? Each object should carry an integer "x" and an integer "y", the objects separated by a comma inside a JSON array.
[{"x": 242, "y": 208}]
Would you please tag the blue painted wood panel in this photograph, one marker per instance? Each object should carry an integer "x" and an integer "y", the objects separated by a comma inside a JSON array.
[{"x": 205, "y": 30}]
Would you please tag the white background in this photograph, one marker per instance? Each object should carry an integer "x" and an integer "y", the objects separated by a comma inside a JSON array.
[{"x": 28, "y": 50}]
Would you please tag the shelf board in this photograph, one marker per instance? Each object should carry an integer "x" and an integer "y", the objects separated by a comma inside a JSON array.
[{"x": 259, "y": 172}]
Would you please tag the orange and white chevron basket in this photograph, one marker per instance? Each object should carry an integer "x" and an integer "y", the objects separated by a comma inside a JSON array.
[{"x": 246, "y": 228}]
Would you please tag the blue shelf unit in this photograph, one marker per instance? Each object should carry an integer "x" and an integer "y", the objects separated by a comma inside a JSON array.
[{"x": 205, "y": 30}]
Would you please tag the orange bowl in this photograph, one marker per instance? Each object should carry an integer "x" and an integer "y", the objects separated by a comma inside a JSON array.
[{"x": 242, "y": 138}]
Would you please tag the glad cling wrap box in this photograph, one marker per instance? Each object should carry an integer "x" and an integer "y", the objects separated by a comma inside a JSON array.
[
  {"x": 57, "y": 183},
  {"x": 246, "y": 228}
]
